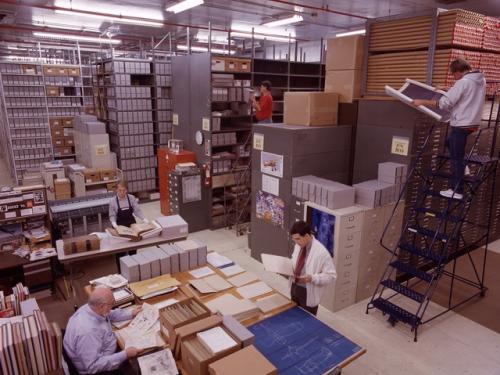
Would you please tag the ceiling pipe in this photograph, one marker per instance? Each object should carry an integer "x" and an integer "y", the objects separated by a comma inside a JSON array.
[{"x": 321, "y": 9}]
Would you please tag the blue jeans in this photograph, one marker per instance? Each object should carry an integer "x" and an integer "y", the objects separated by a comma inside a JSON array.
[
  {"x": 266, "y": 121},
  {"x": 456, "y": 143}
]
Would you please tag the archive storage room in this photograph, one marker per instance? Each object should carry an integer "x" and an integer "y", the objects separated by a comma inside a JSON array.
[{"x": 209, "y": 187}]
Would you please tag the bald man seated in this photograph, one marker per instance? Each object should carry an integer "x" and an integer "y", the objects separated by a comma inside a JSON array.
[{"x": 89, "y": 340}]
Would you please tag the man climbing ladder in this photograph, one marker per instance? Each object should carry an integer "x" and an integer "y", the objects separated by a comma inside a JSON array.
[{"x": 465, "y": 101}]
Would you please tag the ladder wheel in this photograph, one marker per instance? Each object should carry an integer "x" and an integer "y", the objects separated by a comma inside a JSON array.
[
  {"x": 392, "y": 321},
  {"x": 483, "y": 293}
]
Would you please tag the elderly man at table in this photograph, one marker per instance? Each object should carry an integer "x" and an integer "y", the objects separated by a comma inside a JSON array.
[{"x": 89, "y": 340}]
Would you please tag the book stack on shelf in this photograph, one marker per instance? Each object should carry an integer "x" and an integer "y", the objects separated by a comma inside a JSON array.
[
  {"x": 31, "y": 345},
  {"x": 125, "y": 101},
  {"x": 25, "y": 131},
  {"x": 162, "y": 114},
  {"x": 11, "y": 305},
  {"x": 88, "y": 96}
]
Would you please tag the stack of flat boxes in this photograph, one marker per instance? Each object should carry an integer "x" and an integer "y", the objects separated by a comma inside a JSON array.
[
  {"x": 385, "y": 189},
  {"x": 164, "y": 259},
  {"x": 163, "y": 114},
  {"x": 347, "y": 244},
  {"x": 324, "y": 192},
  {"x": 92, "y": 143},
  {"x": 131, "y": 122},
  {"x": 26, "y": 123}
]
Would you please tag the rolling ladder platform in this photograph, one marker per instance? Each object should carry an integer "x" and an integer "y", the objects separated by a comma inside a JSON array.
[{"x": 435, "y": 234}]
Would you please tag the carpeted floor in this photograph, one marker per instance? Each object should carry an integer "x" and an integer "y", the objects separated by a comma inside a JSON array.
[{"x": 486, "y": 310}]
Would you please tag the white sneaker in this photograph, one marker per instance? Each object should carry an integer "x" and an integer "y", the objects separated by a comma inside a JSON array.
[
  {"x": 451, "y": 194},
  {"x": 467, "y": 171}
]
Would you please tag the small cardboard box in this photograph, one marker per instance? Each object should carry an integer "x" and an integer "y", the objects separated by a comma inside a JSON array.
[
  {"x": 196, "y": 358},
  {"x": 171, "y": 326},
  {"x": 58, "y": 141},
  {"x": 55, "y": 122},
  {"x": 74, "y": 72},
  {"x": 52, "y": 90},
  {"x": 49, "y": 70},
  {"x": 345, "y": 53},
  {"x": 69, "y": 141},
  {"x": 62, "y": 151},
  {"x": 111, "y": 186},
  {"x": 80, "y": 244},
  {"x": 218, "y": 64},
  {"x": 310, "y": 108},
  {"x": 108, "y": 174},
  {"x": 60, "y": 71},
  {"x": 247, "y": 361},
  {"x": 91, "y": 175},
  {"x": 57, "y": 131},
  {"x": 232, "y": 65},
  {"x": 191, "y": 328},
  {"x": 67, "y": 122},
  {"x": 62, "y": 186},
  {"x": 346, "y": 83},
  {"x": 244, "y": 66},
  {"x": 29, "y": 69}
]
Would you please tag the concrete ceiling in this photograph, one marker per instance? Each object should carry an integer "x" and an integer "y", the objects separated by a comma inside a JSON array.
[{"x": 321, "y": 18}]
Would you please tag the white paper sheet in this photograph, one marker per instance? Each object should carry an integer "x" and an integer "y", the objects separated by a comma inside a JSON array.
[
  {"x": 201, "y": 272},
  {"x": 277, "y": 264},
  {"x": 158, "y": 363}
]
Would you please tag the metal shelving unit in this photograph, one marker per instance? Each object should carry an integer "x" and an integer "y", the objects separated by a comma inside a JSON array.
[{"x": 133, "y": 97}]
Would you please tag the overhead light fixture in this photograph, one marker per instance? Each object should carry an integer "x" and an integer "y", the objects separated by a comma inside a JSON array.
[
  {"x": 79, "y": 38},
  {"x": 184, "y": 47},
  {"x": 284, "y": 21},
  {"x": 262, "y": 37},
  {"x": 216, "y": 37},
  {"x": 349, "y": 33},
  {"x": 110, "y": 18},
  {"x": 184, "y": 5}
]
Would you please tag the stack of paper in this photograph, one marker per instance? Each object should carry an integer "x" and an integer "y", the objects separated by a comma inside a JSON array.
[
  {"x": 216, "y": 340},
  {"x": 272, "y": 302},
  {"x": 158, "y": 363},
  {"x": 202, "y": 286},
  {"x": 111, "y": 281},
  {"x": 122, "y": 296},
  {"x": 154, "y": 287},
  {"x": 217, "y": 260},
  {"x": 242, "y": 279},
  {"x": 201, "y": 272},
  {"x": 254, "y": 290},
  {"x": 231, "y": 270},
  {"x": 217, "y": 282},
  {"x": 228, "y": 304},
  {"x": 143, "y": 330}
]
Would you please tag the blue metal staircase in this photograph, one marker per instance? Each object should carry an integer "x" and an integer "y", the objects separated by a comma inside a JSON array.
[{"x": 433, "y": 236}]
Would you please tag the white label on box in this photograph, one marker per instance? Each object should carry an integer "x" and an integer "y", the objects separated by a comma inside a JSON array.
[
  {"x": 28, "y": 196},
  {"x": 258, "y": 141},
  {"x": 100, "y": 150},
  {"x": 400, "y": 146},
  {"x": 10, "y": 215},
  {"x": 205, "y": 124},
  {"x": 271, "y": 185},
  {"x": 26, "y": 212},
  {"x": 175, "y": 119}
]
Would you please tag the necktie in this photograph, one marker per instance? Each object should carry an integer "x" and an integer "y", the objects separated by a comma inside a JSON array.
[{"x": 301, "y": 260}]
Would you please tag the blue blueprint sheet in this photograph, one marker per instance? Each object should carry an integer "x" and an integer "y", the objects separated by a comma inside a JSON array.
[{"x": 297, "y": 343}]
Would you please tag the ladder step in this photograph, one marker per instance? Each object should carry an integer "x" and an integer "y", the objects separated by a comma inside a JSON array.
[
  {"x": 474, "y": 159},
  {"x": 410, "y": 270},
  {"x": 424, "y": 253},
  {"x": 429, "y": 233},
  {"x": 437, "y": 214},
  {"x": 437, "y": 194},
  {"x": 401, "y": 289},
  {"x": 396, "y": 312},
  {"x": 449, "y": 176}
]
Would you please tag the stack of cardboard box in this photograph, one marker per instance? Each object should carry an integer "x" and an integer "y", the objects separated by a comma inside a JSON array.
[
  {"x": 344, "y": 61},
  {"x": 324, "y": 192},
  {"x": 62, "y": 135},
  {"x": 51, "y": 171},
  {"x": 62, "y": 188},
  {"x": 310, "y": 108}
]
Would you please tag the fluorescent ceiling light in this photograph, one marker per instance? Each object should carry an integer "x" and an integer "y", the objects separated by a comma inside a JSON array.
[
  {"x": 184, "y": 5},
  {"x": 183, "y": 47},
  {"x": 217, "y": 37},
  {"x": 76, "y": 38},
  {"x": 284, "y": 21},
  {"x": 110, "y": 18},
  {"x": 262, "y": 37},
  {"x": 355, "y": 32}
]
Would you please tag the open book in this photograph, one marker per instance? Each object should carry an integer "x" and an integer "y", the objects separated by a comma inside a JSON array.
[
  {"x": 135, "y": 231},
  {"x": 417, "y": 90}
]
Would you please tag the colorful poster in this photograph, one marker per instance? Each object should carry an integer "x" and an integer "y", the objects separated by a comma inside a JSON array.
[
  {"x": 271, "y": 164},
  {"x": 323, "y": 226},
  {"x": 270, "y": 208}
]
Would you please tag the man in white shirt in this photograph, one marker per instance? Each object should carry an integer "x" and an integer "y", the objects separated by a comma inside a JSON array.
[
  {"x": 465, "y": 101},
  {"x": 313, "y": 268}
]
